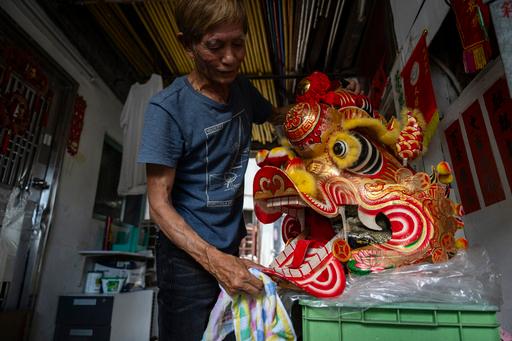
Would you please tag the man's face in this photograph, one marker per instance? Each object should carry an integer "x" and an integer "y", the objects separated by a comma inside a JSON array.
[{"x": 219, "y": 53}]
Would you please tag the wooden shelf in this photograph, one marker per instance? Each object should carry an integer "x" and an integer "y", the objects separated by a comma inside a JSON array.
[{"x": 115, "y": 254}]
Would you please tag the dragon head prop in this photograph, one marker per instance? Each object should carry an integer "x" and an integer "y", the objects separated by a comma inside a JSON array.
[{"x": 350, "y": 201}]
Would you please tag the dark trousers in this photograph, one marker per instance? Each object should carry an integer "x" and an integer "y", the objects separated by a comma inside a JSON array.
[{"x": 186, "y": 296}]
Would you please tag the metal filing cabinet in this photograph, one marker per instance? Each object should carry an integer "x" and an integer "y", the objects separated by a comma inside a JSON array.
[{"x": 120, "y": 317}]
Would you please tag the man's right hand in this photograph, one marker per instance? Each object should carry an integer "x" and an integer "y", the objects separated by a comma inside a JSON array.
[{"x": 232, "y": 273}]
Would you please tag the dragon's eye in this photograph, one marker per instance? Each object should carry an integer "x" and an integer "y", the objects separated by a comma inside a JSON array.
[
  {"x": 343, "y": 149},
  {"x": 353, "y": 152},
  {"x": 339, "y": 148}
]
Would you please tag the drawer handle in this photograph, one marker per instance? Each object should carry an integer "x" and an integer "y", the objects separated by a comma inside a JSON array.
[
  {"x": 81, "y": 332},
  {"x": 84, "y": 301}
]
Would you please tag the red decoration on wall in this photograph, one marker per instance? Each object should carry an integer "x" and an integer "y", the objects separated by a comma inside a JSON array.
[
  {"x": 485, "y": 164},
  {"x": 499, "y": 108},
  {"x": 77, "y": 123},
  {"x": 14, "y": 113},
  {"x": 20, "y": 101},
  {"x": 460, "y": 163},
  {"x": 14, "y": 116},
  {"x": 24, "y": 64},
  {"x": 473, "y": 20},
  {"x": 506, "y": 9},
  {"x": 418, "y": 89}
]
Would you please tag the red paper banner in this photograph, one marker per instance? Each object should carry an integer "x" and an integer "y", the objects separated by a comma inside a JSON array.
[
  {"x": 460, "y": 164},
  {"x": 77, "y": 123},
  {"x": 485, "y": 164},
  {"x": 418, "y": 89},
  {"x": 506, "y": 9},
  {"x": 472, "y": 21},
  {"x": 499, "y": 108}
]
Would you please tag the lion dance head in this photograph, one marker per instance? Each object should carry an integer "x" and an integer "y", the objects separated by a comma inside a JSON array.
[{"x": 350, "y": 201}]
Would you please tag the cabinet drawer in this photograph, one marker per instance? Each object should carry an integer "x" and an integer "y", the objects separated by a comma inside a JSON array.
[
  {"x": 85, "y": 310},
  {"x": 81, "y": 333}
]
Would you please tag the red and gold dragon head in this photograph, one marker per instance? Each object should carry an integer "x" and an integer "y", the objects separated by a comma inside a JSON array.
[{"x": 349, "y": 200}]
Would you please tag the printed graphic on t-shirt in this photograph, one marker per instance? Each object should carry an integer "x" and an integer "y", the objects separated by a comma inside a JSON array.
[{"x": 227, "y": 148}]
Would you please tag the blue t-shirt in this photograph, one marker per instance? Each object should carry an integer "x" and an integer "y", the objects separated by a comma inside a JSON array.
[{"x": 208, "y": 145}]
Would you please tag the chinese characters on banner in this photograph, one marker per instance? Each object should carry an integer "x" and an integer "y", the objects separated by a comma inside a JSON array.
[
  {"x": 460, "y": 164},
  {"x": 501, "y": 11},
  {"x": 499, "y": 109},
  {"x": 485, "y": 164},
  {"x": 418, "y": 89}
]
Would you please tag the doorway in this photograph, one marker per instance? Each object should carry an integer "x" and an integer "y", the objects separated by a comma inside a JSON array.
[{"x": 36, "y": 101}]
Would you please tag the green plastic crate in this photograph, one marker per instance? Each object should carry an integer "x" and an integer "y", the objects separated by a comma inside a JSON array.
[{"x": 400, "y": 322}]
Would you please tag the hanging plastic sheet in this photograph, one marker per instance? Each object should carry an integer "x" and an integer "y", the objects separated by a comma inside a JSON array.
[{"x": 12, "y": 222}]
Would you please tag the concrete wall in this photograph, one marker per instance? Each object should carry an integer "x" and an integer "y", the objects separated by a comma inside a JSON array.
[
  {"x": 489, "y": 227},
  {"x": 408, "y": 30},
  {"x": 73, "y": 227}
]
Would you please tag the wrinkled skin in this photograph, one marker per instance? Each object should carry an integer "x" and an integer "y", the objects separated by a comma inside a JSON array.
[{"x": 348, "y": 201}]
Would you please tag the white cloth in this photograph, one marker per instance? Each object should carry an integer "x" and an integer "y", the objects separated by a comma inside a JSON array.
[
  {"x": 258, "y": 318},
  {"x": 132, "y": 180}
]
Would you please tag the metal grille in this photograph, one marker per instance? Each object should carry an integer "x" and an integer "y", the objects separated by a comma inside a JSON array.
[
  {"x": 4, "y": 285},
  {"x": 16, "y": 163}
]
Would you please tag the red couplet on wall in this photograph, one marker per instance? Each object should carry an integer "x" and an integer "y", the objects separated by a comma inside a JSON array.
[
  {"x": 485, "y": 164},
  {"x": 460, "y": 164},
  {"x": 499, "y": 108}
]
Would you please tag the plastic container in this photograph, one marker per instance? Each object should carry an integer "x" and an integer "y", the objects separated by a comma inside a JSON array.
[
  {"x": 130, "y": 238},
  {"x": 400, "y": 322},
  {"x": 112, "y": 285}
]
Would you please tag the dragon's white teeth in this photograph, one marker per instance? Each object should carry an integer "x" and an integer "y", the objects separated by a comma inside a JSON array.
[
  {"x": 317, "y": 203},
  {"x": 262, "y": 205},
  {"x": 285, "y": 201}
]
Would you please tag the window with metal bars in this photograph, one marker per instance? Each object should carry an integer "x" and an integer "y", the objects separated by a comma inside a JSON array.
[{"x": 19, "y": 141}]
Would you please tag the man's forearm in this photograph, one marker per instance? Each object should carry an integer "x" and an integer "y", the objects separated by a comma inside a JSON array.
[
  {"x": 231, "y": 272},
  {"x": 180, "y": 233}
]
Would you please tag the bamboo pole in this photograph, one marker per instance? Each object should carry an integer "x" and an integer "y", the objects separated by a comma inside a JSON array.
[
  {"x": 159, "y": 23},
  {"x": 256, "y": 50},
  {"x": 113, "y": 28},
  {"x": 187, "y": 63},
  {"x": 132, "y": 31},
  {"x": 153, "y": 36}
]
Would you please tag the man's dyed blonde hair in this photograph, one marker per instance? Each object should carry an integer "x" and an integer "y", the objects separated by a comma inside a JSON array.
[{"x": 196, "y": 17}]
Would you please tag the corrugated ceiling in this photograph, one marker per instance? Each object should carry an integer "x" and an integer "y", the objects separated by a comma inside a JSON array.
[{"x": 287, "y": 39}]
